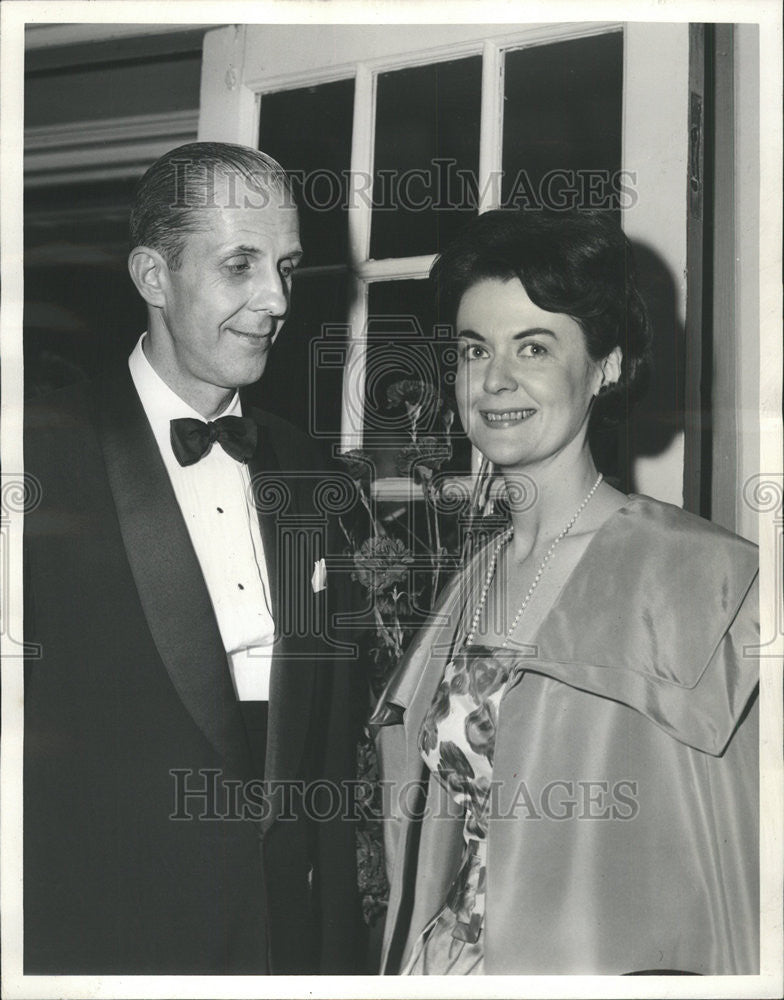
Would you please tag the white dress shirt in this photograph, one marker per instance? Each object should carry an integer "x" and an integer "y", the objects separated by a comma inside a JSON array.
[{"x": 215, "y": 498}]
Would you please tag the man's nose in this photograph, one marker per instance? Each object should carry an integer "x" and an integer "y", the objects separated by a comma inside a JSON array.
[
  {"x": 270, "y": 293},
  {"x": 499, "y": 375}
]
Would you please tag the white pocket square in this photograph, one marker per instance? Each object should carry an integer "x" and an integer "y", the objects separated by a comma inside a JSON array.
[{"x": 319, "y": 579}]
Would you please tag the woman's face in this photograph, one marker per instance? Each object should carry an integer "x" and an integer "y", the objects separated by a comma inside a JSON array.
[{"x": 524, "y": 378}]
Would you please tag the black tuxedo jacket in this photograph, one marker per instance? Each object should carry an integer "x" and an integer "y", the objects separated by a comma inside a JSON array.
[{"x": 148, "y": 845}]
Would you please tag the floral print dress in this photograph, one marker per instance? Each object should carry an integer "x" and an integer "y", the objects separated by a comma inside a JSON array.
[{"x": 457, "y": 741}]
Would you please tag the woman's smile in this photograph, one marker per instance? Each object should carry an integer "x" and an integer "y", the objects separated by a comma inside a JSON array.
[{"x": 500, "y": 419}]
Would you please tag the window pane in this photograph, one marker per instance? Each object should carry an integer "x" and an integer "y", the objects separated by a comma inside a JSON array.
[
  {"x": 405, "y": 344},
  {"x": 562, "y": 124},
  {"x": 426, "y": 156},
  {"x": 304, "y": 375},
  {"x": 309, "y": 132}
]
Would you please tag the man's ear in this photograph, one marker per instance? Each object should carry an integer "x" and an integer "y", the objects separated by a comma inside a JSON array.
[{"x": 149, "y": 272}]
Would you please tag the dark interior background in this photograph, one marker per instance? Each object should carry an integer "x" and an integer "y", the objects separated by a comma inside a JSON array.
[
  {"x": 81, "y": 310},
  {"x": 82, "y": 313}
]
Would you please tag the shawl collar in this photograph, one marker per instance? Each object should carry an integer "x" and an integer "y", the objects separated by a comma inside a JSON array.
[
  {"x": 641, "y": 620},
  {"x": 277, "y": 494},
  {"x": 166, "y": 571}
]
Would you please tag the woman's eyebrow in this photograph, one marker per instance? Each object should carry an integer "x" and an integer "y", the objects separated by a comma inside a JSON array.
[{"x": 536, "y": 331}]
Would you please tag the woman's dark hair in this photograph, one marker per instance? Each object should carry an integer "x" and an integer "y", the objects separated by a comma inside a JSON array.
[{"x": 577, "y": 263}]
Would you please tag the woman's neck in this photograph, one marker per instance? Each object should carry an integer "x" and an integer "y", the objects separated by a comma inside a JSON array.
[{"x": 549, "y": 495}]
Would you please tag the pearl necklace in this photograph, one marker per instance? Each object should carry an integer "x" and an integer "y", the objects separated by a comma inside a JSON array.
[{"x": 502, "y": 541}]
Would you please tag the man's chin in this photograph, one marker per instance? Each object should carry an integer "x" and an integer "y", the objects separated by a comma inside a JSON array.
[{"x": 249, "y": 374}]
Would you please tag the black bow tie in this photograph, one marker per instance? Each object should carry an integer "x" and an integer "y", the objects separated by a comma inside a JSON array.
[{"x": 191, "y": 439}]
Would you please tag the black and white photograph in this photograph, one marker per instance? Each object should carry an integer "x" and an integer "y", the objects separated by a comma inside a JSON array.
[{"x": 392, "y": 530}]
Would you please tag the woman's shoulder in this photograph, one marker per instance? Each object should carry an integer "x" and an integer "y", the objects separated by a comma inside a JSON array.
[
  {"x": 644, "y": 617},
  {"x": 672, "y": 528},
  {"x": 699, "y": 569}
]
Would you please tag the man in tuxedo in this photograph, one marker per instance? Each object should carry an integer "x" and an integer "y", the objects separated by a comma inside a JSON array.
[{"x": 188, "y": 719}]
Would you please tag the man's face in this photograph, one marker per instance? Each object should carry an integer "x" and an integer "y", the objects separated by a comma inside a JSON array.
[{"x": 226, "y": 302}]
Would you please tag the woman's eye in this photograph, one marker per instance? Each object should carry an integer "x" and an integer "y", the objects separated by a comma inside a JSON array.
[
  {"x": 533, "y": 350},
  {"x": 237, "y": 265},
  {"x": 472, "y": 352}
]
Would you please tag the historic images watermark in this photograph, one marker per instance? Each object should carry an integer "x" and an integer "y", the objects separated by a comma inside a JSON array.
[
  {"x": 207, "y": 795},
  {"x": 441, "y": 186}
]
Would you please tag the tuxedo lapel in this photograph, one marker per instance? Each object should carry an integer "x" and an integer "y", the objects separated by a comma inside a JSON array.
[
  {"x": 268, "y": 491},
  {"x": 277, "y": 490},
  {"x": 167, "y": 573}
]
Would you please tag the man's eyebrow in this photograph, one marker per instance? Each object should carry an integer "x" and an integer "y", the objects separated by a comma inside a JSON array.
[
  {"x": 241, "y": 248},
  {"x": 535, "y": 331},
  {"x": 247, "y": 248}
]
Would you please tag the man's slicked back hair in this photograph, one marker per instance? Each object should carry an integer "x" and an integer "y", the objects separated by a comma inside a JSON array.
[{"x": 176, "y": 194}]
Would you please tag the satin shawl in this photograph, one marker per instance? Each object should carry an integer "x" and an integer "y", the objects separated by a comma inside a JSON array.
[{"x": 624, "y": 828}]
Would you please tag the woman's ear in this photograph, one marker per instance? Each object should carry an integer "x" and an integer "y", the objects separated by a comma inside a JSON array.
[
  {"x": 149, "y": 272},
  {"x": 611, "y": 368}
]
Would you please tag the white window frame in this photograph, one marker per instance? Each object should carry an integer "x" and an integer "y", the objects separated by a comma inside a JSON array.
[{"x": 243, "y": 62}]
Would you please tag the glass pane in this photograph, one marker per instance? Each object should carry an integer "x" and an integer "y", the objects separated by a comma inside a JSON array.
[
  {"x": 426, "y": 156},
  {"x": 562, "y": 124},
  {"x": 304, "y": 375},
  {"x": 406, "y": 345},
  {"x": 309, "y": 132}
]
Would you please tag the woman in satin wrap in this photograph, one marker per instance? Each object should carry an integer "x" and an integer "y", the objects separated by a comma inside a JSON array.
[{"x": 570, "y": 746}]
